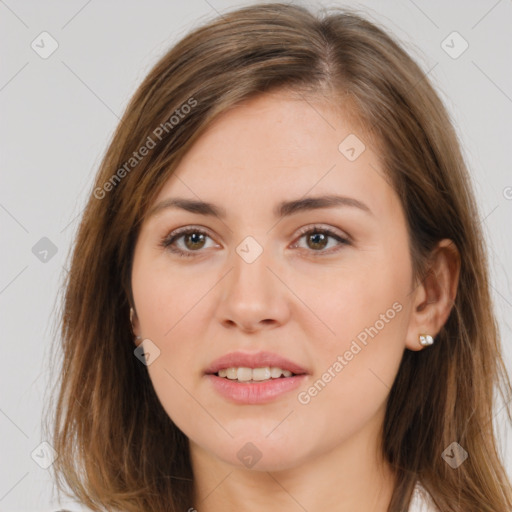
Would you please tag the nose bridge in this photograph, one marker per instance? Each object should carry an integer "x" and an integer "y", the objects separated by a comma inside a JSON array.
[
  {"x": 250, "y": 274},
  {"x": 251, "y": 293}
]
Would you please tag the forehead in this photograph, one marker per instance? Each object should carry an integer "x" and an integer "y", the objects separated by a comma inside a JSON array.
[
  {"x": 276, "y": 147},
  {"x": 281, "y": 131}
]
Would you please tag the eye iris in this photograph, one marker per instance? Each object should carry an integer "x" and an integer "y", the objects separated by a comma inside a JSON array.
[
  {"x": 315, "y": 237},
  {"x": 197, "y": 238}
]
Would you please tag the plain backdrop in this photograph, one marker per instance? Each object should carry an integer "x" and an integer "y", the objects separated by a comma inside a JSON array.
[{"x": 59, "y": 111}]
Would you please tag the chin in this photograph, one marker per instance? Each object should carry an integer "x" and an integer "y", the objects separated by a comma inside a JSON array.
[{"x": 258, "y": 453}]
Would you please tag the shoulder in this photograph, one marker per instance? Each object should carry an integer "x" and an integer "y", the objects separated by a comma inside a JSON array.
[{"x": 421, "y": 500}]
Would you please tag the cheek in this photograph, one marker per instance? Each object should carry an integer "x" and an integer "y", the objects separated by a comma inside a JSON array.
[
  {"x": 366, "y": 312},
  {"x": 166, "y": 294},
  {"x": 363, "y": 299},
  {"x": 355, "y": 371},
  {"x": 168, "y": 304},
  {"x": 171, "y": 387}
]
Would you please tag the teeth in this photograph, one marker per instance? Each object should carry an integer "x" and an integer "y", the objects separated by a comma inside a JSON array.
[
  {"x": 275, "y": 373},
  {"x": 231, "y": 373},
  {"x": 244, "y": 374},
  {"x": 261, "y": 373}
]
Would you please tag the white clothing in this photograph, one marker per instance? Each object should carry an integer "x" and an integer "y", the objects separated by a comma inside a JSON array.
[{"x": 421, "y": 501}]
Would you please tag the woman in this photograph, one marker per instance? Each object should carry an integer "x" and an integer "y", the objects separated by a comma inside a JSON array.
[{"x": 278, "y": 294}]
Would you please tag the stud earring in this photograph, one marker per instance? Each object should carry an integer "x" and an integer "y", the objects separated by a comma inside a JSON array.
[
  {"x": 131, "y": 323},
  {"x": 426, "y": 340}
]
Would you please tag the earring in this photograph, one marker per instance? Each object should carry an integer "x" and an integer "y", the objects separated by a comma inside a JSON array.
[
  {"x": 426, "y": 340},
  {"x": 131, "y": 322}
]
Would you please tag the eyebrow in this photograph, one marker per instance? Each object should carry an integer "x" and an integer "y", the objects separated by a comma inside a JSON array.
[{"x": 283, "y": 209}]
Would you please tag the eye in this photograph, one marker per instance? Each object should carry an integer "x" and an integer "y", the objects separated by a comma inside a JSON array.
[
  {"x": 317, "y": 238},
  {"x": 194, "y": 240}
]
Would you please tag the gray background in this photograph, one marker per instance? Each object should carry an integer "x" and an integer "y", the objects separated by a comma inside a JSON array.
[{"x": 57, "y": 117}]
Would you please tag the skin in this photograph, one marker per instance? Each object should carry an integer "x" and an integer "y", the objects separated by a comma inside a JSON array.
[{"x": 291, "y": 300}]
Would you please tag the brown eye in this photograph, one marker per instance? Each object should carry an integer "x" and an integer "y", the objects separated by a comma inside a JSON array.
[
  {"x": 194, "y": 240},
  {"x": 317, "y": 239}
]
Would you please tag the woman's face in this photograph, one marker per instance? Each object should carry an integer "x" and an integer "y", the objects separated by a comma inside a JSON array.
[{"x": 263, "y": 277}]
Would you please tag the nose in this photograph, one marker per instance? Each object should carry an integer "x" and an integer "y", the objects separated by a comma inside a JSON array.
[{"x": 253, "y": 295}]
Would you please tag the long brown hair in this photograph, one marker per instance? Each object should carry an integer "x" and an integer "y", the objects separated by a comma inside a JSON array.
[{"x": 117, "y": 448}]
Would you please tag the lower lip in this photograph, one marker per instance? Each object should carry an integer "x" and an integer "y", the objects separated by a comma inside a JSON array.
[{"x": 255, "y": 392}]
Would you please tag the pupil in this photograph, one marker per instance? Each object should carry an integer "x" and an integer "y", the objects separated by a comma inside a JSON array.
[
  {"x": 196, "y": 238},
  {"x": 316, "y": 241}
]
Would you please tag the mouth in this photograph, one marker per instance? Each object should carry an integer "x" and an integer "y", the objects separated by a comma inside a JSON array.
[
  {"x": 253, "y": 375},
  {"x": 254, "y": 379},
  {"x": 254, "y": 367},
  {"x": 248, "y": 390}
]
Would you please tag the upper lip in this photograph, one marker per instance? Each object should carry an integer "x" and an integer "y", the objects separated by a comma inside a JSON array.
[{"x": 254, "y": 360}]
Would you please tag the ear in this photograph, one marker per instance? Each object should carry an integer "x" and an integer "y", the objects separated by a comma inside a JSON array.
[
  {"x": 434, "y": 296},
  {"x": 134, "y": 320}
]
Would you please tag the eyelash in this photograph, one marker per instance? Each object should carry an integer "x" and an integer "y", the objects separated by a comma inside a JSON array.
[{"x": 168, "y": 240}]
